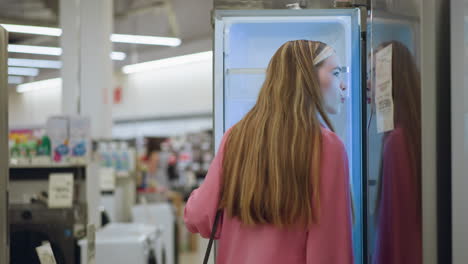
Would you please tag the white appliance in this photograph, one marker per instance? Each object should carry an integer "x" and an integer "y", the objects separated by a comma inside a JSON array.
[
  {"x": 123, "y": 243},
  {"x": 159, "y": 215}
]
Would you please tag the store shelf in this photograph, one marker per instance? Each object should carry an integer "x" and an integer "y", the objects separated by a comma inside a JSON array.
[
  {"x": 233, "y": 71},
  {"x": 45, "y": 166},
  {"x": 42, "y": 172},
  {"x": 246, "y": 71}
]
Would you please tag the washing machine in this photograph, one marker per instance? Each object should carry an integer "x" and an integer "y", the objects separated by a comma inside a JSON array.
[
  {"x": 123, "y": 243},
  {"x": 161, "y": 215},
  {"x": 32, "y": 224}
]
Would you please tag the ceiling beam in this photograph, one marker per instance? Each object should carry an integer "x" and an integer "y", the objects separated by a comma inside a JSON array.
[
  {"x": 165, "y": 5},
  {"x": 149, "y": 7}
]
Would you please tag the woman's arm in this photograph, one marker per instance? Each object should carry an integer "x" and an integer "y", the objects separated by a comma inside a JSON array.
[{"x": 202, "y": 205}]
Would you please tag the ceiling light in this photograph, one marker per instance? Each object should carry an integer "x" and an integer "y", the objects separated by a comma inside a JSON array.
[
  {"x": 23, "y": 71},
  {"x": 15, "y": 79},
  {"x": 120, "y": 56},
  {"x": 52, "y": 51},
  {"x": 34, "y": 50},
  {"x": 46, "y": 64},
  {"x": 146, "y": 40},
  {"x": 164, "y": 63},
  {"x": 33, "y": 86},
  {"x": 119, "y": 38},
  {"x": 47, "y": 31}
]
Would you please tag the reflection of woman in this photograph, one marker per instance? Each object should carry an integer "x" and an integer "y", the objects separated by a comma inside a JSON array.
[
  {"x": 399, "y": 239},
  {"x": 282, "y": 178}
]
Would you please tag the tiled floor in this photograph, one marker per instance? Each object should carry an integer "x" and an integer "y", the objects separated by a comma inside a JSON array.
[
  {"x": 196, "y": 257},
  {"x": 189, "y": 258}
]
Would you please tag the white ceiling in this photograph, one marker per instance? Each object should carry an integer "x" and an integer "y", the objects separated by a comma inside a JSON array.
[{"x": 191, "y": 23}]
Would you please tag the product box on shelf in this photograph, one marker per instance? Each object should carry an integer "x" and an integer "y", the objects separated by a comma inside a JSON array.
[
  {"x": 79, "y": 138},
  {"x": 57, "y": 130}
]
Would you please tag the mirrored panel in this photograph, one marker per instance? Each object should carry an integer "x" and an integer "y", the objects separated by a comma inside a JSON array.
[{"x": 394, "y": 134}]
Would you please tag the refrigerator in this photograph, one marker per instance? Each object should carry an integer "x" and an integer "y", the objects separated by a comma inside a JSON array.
[
  {"x": 398, "y": 177},
  {"x": 4, "y": 155},
  {"x": 245, "y": 41}
]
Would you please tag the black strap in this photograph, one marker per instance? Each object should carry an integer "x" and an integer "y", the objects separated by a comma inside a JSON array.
[{"x": 212, "y": 236}]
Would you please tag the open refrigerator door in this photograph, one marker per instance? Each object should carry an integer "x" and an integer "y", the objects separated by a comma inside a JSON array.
[{"x": 245, "y": 41}]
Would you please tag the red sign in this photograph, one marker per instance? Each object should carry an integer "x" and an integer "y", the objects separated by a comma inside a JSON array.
[{"x": 117, "y": 95}]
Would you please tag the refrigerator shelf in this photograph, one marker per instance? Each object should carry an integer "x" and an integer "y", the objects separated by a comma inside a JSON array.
[{"x": 246, "y": 71}]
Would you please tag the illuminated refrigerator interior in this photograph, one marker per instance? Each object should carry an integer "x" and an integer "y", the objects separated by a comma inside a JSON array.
[{"x": 246, "y": 40}]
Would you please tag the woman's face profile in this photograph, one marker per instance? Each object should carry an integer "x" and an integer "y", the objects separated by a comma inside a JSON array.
[{"x": 332, "y": 85}]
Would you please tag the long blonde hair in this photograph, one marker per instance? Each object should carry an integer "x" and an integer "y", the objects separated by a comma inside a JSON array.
[{"x": 271, "y": 164}]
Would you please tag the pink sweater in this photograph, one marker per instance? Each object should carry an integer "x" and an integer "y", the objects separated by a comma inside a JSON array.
[
  {"x": 399, "y": 231},
  {"x": 328, "y": 242}
]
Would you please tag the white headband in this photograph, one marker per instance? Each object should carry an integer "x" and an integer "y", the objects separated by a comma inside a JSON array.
[{"x": 326, "y": 52}]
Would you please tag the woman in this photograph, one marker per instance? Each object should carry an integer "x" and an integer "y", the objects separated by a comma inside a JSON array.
[{"x": 280, "y": 177}]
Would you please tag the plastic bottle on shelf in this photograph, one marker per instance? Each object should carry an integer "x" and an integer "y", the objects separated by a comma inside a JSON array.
[
  {"x": 43, "y": 148},
  {"x": 116, "y": 160},
  {"x": 24, "y": 149},
  {"x": 43, "y": 153},
  {"x": 104, "y": 155},
  {"x": 15, "y": 152},
  {"x": 31, "y": 149},
  {"x": 125, "y": 157}
]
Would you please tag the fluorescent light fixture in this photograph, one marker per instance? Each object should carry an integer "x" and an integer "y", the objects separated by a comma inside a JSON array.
[
  {"x": 119, "y": 38},
  {"x": 40, "y": 50},
  {"x": 52, "y": 51},
  {"x": 146, "y": 40},
  {"x": 169, "y": 62},
  {"x": 120, "y": 56},
  {"x": 47, "y": 31},
  {"x": 23, "y": 71},
  {"x": 46, "y": 64},
  {"x": 15, "y": 79},
  {"x": 34, "y": 86}
]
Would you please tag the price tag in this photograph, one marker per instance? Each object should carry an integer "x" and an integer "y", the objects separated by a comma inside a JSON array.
[
  {"x": 383, "y": 92},
  {"x": 45, "y": 254},
  {"x": 91, "y": 250},
  {"x": 107, "y": 179},
  {"x": 60, "y": 190}
]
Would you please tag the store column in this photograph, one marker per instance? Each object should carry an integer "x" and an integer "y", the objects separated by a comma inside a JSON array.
[
  {"x": 96, "y": 65},
  {"x": 69, "y": 41},
  {"x": 87, "y": 74}
]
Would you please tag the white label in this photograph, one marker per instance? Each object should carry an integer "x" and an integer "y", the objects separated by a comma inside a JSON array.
[
  {"x": 107, "y": 178},
  {"x": 91, "y": 250},
  {"x": 45, "y": 254},
  {"x": 383, "y": 90},
  {"x": 41, "y": 160},
  {"x": 60, "y": 190}
]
